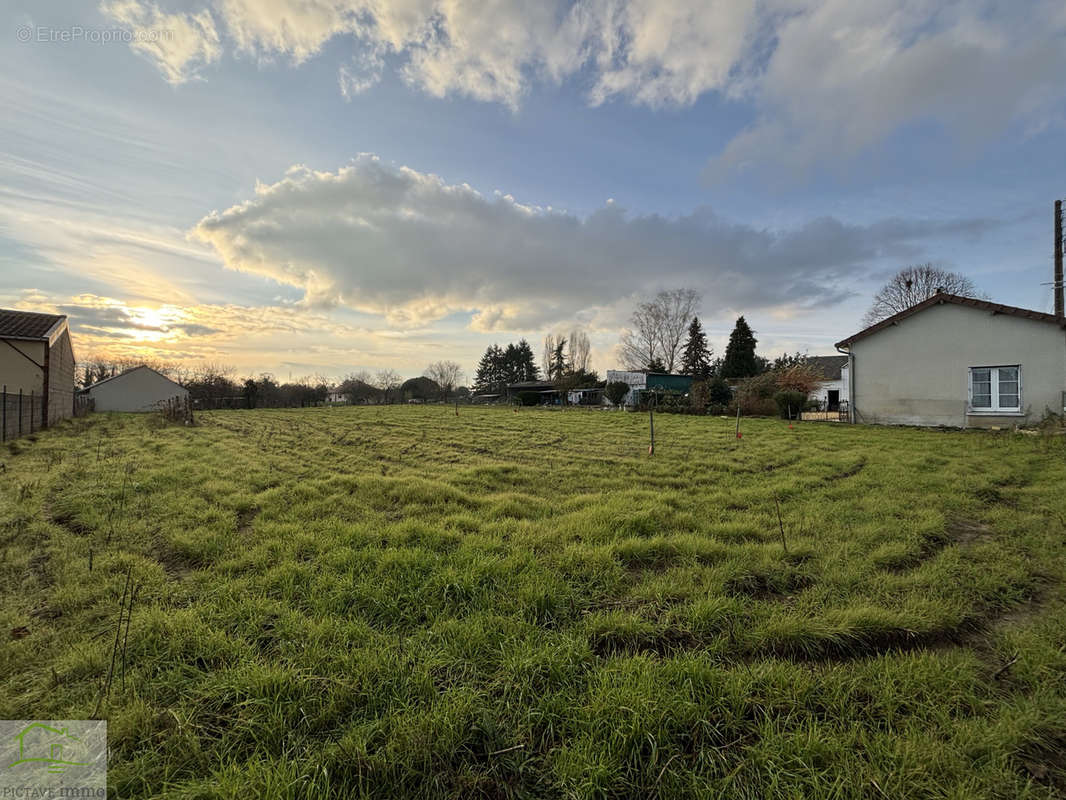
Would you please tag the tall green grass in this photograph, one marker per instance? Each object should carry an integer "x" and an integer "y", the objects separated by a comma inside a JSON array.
[{"x": 402, "y": 602}]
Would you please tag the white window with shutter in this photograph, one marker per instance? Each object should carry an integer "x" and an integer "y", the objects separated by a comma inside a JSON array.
[{"x": 995, "y": 390}]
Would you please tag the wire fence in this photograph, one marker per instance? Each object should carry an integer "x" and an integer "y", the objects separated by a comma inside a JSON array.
[{"x": 20, "y": 413}]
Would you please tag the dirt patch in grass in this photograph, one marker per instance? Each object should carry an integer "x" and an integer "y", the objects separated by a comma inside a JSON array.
[
  {"x": 67, "y": 521},
  {"x": 847, "y": 472},
  {"x": 176, "y": 565},
  {"x": 1045, "y": 763},
  {"x": 245, "y": 519},
  {"x": 768, "y": 586},
  {"x": 993, "y": 496},
  {"x": 969, "y": 532}
]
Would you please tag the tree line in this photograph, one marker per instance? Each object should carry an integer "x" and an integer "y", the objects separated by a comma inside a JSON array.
[
  {"x": 217, "y": 386},
  {"x": 664, "y": 335}
]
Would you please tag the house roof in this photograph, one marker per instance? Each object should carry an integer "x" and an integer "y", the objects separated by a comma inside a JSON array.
[
  {"x": 940, "y": 298},
  {"x": 27, "y": 324},
  {"x": 127, "y": 372},
  {"x": 531, "y": 385},
  {"x": 827, "y": 366}
]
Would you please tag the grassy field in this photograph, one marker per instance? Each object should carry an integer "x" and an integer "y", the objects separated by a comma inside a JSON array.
[{"x": 402, "y": 602}]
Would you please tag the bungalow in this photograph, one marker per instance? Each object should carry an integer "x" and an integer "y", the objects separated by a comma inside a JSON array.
[
  {"x": 137, "y": 389},
  {"x": 833, "y": 385},
  {"x": 36, "y": 371},
  {"x": 959, "y": 362}
]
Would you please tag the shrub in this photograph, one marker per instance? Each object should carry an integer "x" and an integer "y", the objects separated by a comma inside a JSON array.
[
  {"x": 790, "y": 403},
  {"x": 720, "y": 392},
  {"x": 616, "y": 392}
]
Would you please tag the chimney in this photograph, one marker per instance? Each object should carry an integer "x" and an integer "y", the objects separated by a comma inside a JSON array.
[{"x": 1058, "y": 259}]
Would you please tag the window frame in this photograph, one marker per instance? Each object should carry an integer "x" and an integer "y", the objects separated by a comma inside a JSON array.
[{"x": 993, "y": 382}]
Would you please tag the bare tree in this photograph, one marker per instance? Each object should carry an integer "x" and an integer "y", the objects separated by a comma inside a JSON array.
[
  {"x": 639, "y": 345},
  {"x": 446, "y": 374},
  {"x": 547, "y": 359},
  {"x": 676, "y": 309},
  {"x": 913, "y": 284},
  {"x": 657, "y": 329},
  {"x": 580, "y": 351},
  {"x": 388, "y": 380}
]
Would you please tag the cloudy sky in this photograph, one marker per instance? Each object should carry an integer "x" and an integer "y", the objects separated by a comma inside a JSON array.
[{"x": 323, "y": 186}]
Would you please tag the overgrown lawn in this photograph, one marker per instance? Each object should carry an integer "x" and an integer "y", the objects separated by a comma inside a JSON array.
[{"x": 405, "y": 602}]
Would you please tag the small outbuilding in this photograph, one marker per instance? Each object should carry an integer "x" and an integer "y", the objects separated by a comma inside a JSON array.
[
  {"x": 959, "y": 362},
  {"x": 640, "y": 382},
  {"x": 36, "y": 365},
  {"x": 833, "y": 386},
  {"x": 137, "y": 389}
]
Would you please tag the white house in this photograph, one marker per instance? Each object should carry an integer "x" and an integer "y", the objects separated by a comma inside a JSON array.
[
  {"x": 833, "y": 386},
  {"x": 136, "y": 389},
  {"x": 634, "y": 380},
  {"x": 959, "y": 362}
]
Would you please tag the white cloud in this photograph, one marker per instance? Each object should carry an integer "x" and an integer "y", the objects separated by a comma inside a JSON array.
[
  {"x": 178, "y": 44},
  {"x": 844, "y": 76},
  {"x": 406, "y": 245},
  {"x": 829, "y": 79}
]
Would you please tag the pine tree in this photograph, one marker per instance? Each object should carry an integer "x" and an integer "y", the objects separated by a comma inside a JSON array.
[
  {"x": 488, "y": 377},
  {"x": 696, "y": 359},
  {"x": 527, "y": 362},
  {"x": 558, "y": 366},
  {"x": 655, "y": 365},
  {"x": 740, "y": 360},
  {"x": 509, "y": 364}
]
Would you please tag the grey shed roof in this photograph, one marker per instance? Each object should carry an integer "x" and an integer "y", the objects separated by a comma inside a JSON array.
[
  {"x": 27, "y": 324},
  {"x": 827, "y": 366}
]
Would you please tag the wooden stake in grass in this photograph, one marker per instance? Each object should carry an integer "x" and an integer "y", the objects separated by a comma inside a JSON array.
[
  {"x": 126, "y": 635},
  {"x": 651, "y": 425},
  {"x": 738, "y": 420},
  {"x": 106, "y": 688},
  {"x": 780, "y": 524}
]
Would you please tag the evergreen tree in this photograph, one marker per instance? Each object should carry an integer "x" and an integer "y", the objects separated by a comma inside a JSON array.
[
  {"x": 655, "y": 365},
  {"x": 488, "y": 376},
  {"x": 558, "y": 366},
  {"x": 696, "y": 358},
  {"x": 526, "y": 365},
  {"x": 740, "y": 359},
  {"x": 509, "y": 366},
  {"x": 500, "y": 366}
]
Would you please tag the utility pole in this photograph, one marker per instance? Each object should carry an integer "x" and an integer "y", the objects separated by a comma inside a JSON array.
[{"x": 1058, "y": 260}]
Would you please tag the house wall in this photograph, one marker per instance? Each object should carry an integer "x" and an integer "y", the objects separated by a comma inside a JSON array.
[
  {"x": 139, "y": 390},
  {"x": 673, "y": 383},
  {"x": 61, "y": 379},
  {"x": 16, "y": 371},
  {"x": 635, "y": 380},
  {"x": 821, "y": 391},
  {"x": 917, "y": 371}
]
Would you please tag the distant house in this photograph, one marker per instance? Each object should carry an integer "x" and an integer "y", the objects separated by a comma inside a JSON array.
[
  {"x": 336, "y": 396},
  {"x": 137, "y": 389},
  {"x": 640, "y": 382},
  {"x": 959, "y": 362},
  {"x": 834, "y": 377},
  {"x": 545, "y": 390},
  {"x": 36, "y": 359}
]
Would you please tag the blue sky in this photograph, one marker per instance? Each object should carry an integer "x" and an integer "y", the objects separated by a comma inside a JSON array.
[{"x": 335, "y": 185}]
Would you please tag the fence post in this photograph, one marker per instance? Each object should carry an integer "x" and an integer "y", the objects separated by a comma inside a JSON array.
[
  {"x": 3, "y": 428},
  {"x": 20, "y": 411},
  {"x": 32, "y": 414}
]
